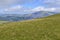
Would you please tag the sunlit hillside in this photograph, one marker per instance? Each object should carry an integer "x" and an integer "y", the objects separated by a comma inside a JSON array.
[{"x": 47, "y": 28}]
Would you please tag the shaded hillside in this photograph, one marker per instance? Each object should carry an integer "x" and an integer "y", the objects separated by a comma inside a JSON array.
[{"x": 37, "y": 29}]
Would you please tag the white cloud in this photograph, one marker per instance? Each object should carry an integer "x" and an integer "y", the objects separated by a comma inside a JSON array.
[
  {"x": 52, "y": 3},
  {"x": 8, "y": 3},
  {"x": 50, "y": 9},
  {"x": 44, "y": 9},
  {"x": 18, "y": 7},
  {"x": 13, "y": 10},
  {"x": 40, "y": 9}
]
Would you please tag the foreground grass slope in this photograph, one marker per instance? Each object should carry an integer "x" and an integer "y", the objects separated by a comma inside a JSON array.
[
  {"x": 38, "y": 29},
  {"x": 3, "y": 22}
]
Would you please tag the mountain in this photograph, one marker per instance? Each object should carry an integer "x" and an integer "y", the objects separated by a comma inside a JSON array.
[
  {"x": 47, "y": 28},
  {"x": 19, "y": 17},
  {"x": 41, "y": 14}
]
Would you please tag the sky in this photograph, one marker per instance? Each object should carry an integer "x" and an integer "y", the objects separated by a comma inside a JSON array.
[{"x": 28, "y": 6}]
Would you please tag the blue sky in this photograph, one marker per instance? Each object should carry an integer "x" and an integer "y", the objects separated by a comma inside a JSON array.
[{"x": 28, "y": 6}]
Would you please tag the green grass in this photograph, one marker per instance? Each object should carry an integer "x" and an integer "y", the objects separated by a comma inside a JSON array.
[
  {"x": 1, "y": 22},
  {"x": 37, "y": 29}
]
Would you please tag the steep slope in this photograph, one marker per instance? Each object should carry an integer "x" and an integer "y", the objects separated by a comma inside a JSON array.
[{"x": 37, "y": 29}]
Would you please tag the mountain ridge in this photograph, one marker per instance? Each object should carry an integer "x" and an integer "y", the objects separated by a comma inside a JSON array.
[{"x": 20, "y": 17}]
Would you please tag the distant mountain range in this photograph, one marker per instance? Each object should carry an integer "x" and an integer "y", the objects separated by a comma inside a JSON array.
[{"x": 19, "y": 17}]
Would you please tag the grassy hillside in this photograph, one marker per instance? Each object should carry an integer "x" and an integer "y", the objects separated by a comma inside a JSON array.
[
  {"x": 38, "y": 29},
  {"x": 3, "y": 22}
]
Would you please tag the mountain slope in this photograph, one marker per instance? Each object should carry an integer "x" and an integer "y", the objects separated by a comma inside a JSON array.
[
  {"x": 19, "y": 17},
  {"x": 37, "y": 29}
]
